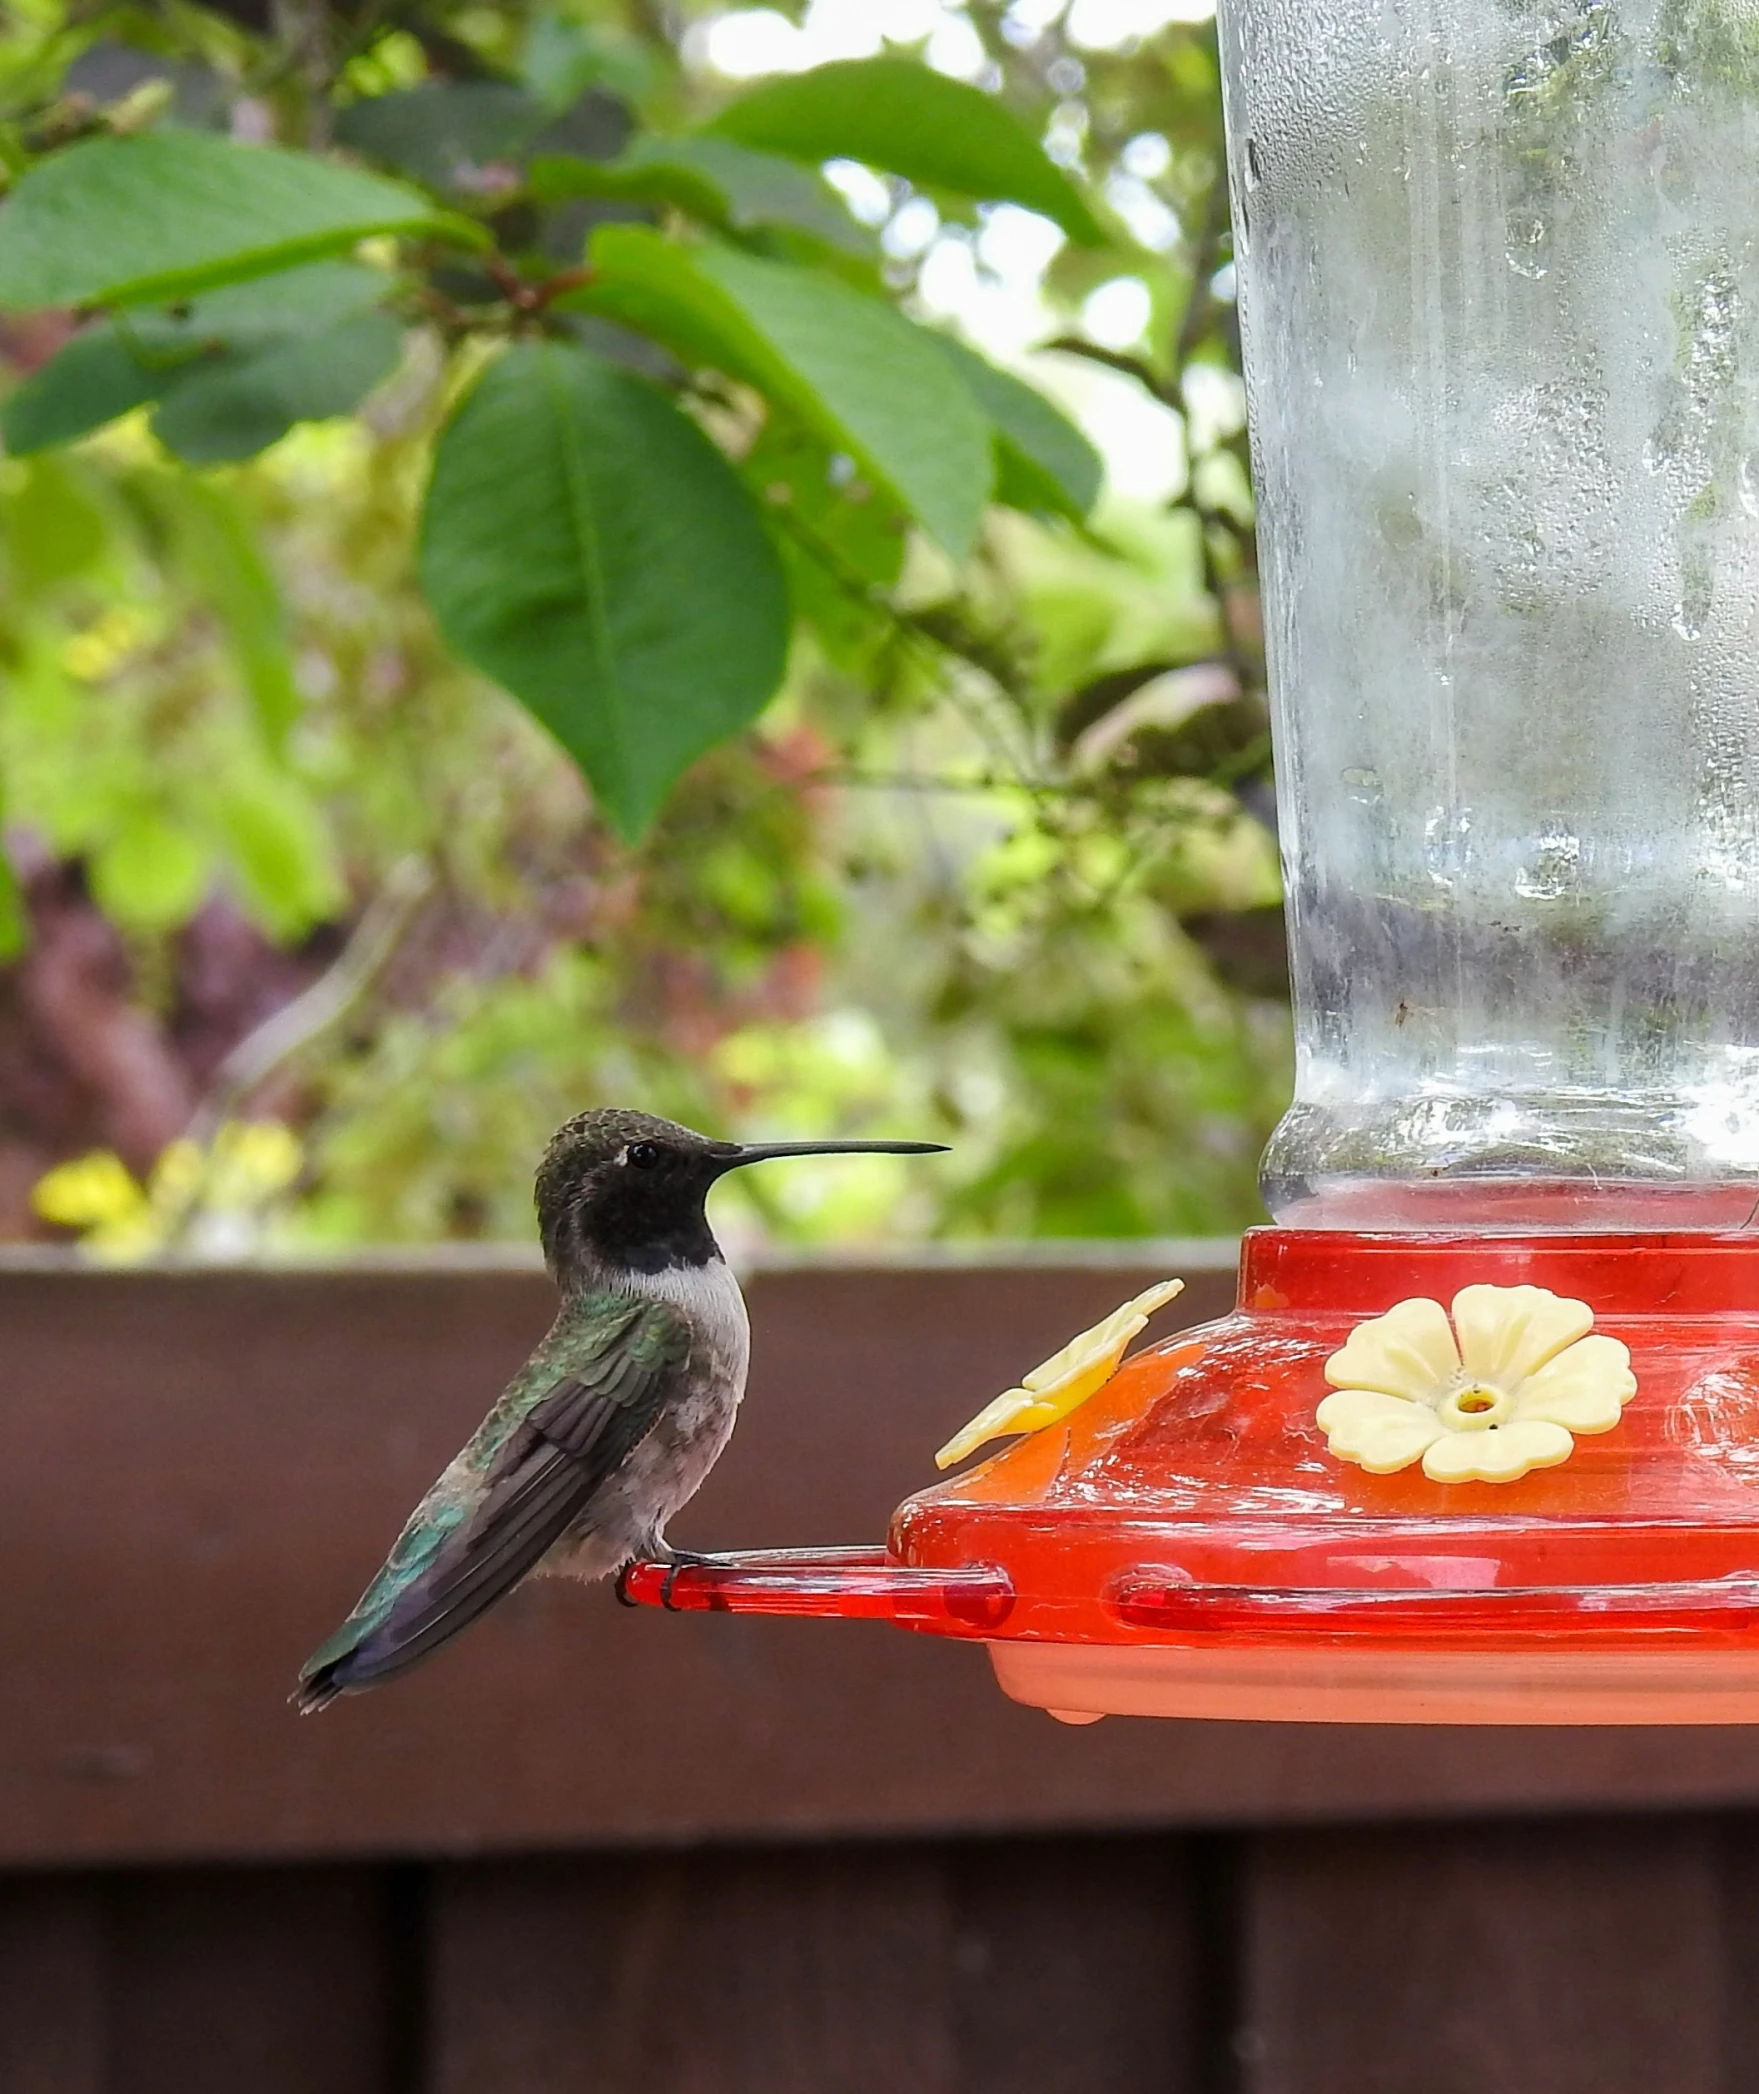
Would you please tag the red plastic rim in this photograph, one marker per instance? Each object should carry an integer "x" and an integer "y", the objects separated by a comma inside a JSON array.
[
  {"x": 857, "y": 1584},
  {"x": 1330, "y": 1272}
]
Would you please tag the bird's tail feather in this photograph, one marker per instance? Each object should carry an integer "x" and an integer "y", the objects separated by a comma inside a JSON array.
[
  {"x": 448, "y": 1596},
  {"x": 315, "y": 1693},
  {"x": 373, "y": 1654}
]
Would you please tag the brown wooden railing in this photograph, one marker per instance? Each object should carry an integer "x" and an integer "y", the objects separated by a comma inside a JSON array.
[{"x": 596, "y": 1850}]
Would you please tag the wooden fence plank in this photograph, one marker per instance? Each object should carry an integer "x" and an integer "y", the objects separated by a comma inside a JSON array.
[
  {"x": 816, "y": 1972},
  {"x": 1735, "y": 1841},
  {"x": 248, "y": 1982},
  {"x": 54, "y": 1971},
  {"x": 1573, "y": 1959},
  {"x": 519, "y": 1973},
  {"x": 1073, "y": 1964},
  {"x": 1042, "y": 1967}
]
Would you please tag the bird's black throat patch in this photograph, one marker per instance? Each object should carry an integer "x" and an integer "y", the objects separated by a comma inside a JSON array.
[{"x": 626, "y": 1231}]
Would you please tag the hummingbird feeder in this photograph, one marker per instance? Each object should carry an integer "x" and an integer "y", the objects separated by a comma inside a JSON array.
[{"x": 1481, "y": 1441}]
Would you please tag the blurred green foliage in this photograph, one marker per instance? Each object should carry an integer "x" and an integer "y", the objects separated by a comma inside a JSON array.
[{"x": 988, "y": 863}]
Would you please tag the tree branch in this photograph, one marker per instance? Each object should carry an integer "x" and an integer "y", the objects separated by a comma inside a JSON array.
[
  {"x": 1145, "y": 375},
  {"x": 335, "y": 992}
]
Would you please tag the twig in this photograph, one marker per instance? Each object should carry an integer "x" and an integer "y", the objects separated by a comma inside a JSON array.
[
  {"x": 1203, "y": 266},
  {"x": 564, "y": 280},
  {"x": 329, "y": 998},
  {"x": 927, "y": 782},
  {"x": 1209, "y": 520},
  {"x": 1145, "y": 375},
  {"x": 303, "y": 29},
  {"x": 915, "y": 629},
  {"x": 528, "y": 298}
]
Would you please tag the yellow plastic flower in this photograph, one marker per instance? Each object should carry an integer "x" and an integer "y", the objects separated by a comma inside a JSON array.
[
  {"x": 1523, "y": 1377},
  {"x": 1065, "y": 1381}
]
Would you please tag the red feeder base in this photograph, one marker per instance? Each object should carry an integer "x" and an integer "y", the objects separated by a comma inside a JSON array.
[{"x": 1186, "y": 1546}]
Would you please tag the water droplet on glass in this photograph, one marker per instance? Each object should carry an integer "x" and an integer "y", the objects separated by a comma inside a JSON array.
[
  {"x": 1447, "y": 845},
  {"x": 1529, "y": 244},
  {"x": 1554, "y": 870}
]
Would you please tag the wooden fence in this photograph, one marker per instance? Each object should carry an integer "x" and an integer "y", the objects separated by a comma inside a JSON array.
[{"x": 591, "y": 1852}]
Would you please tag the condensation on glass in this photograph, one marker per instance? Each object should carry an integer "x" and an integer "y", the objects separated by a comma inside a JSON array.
[{"x": 1499, "y": 275}]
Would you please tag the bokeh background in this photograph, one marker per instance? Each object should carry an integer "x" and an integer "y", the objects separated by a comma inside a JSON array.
[{"x": 997, "y": 865}]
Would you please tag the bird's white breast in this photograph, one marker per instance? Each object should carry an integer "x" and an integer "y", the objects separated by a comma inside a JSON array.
[
  {"x": 709, "y": 1296},
  {"x": 629, "y": 1513},
  {"x": 685, "y": 1445}
]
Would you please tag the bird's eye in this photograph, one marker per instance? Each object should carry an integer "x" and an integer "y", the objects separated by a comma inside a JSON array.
[{"x": 644, "y": 1156}]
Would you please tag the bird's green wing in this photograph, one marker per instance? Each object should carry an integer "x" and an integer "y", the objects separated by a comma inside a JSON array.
[{"x": 589, "y": 1395}]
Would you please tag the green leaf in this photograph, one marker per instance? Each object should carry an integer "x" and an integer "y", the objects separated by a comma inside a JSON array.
[
  {"x": 55, "y": 525},
  {"x": 15, "y": 922},
  {"x": 842, "y": 543},
  {"x": 150, "y": 875},
  {"x": 905, "y": 117},
  {"x": 219, "y": 556},
  {"x": 1046, "y": 465},
  {"x": 154, "y": 354},
  {"x": 803, "y": 484},
  {"x": 587, "y": 546},
  {"x": 563, "y": 59},
  {"x": 447, "y": 133},
  {"x": 266, "y": 309},
  {"x": 233, "y": 406},
  {"x": 280, "y": 852},
  {"x": 130, "y": 221},
  {"x": 87, "y": 382},
  {"x": 713, "y": 179},
  {"x": 866, "y": 378}
]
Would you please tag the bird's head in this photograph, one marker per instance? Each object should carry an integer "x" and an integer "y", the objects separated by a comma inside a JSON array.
[{"x": 626, "y": 1191}]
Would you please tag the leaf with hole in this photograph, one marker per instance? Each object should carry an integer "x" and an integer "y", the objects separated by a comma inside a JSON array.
[
  {"x": 235, "y": 405},
  {"x": 868, "y": 380},
  {"x": 134, "y": 221},
  {"x": 587, "y": 546},
  {"x": 89, "y": 381},
  {"x": 234, "y": 370},
  {"x": 912, "y": 121},
  {"x": 266, "y": 309}
]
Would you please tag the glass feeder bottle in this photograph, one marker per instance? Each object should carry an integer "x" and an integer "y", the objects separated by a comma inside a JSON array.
[{"x": 1499, "y": 285}]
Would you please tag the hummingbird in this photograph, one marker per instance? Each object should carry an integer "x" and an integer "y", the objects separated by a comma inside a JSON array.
[{"x": 614, "y": 1421}]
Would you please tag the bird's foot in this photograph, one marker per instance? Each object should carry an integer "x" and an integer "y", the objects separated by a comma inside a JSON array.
[
  {"x": 675, "y": 1560},
  {"x": 679, "y": 1560}
]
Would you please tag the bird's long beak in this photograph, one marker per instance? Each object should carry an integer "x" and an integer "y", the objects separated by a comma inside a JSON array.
[{"x": 763, "y": 1152}]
